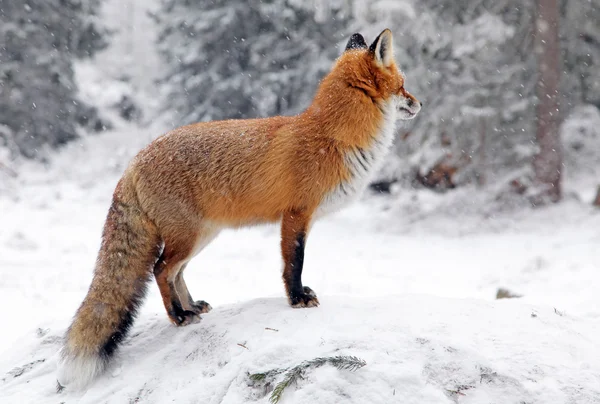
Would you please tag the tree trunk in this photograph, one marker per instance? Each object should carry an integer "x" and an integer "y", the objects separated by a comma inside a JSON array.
[
  {"x": 547, "y": 164},
  {"x": 481, "y": 170},
  {"x": 597, "y": 199}
]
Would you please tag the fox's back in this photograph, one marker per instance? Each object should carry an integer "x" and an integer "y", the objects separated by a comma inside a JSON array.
[
  {"x": 207, "y": 149},
  {"x": 221, "y": 161},
  {"x": 236, "y": 171}
]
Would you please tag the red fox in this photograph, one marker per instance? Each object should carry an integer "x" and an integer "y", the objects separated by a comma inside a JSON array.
[{"x": 183, "y": 188}]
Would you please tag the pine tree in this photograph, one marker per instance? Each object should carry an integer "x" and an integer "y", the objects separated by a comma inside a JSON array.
[
  {"x": 246, "y": 59},
  {"x": 38, "y": 94}
]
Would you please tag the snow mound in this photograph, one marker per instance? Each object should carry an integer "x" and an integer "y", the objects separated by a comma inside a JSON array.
[{"x": 418, "y": 349}]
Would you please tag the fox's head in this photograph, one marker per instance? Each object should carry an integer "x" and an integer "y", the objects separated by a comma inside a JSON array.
[{"x": 372, "y": 69}]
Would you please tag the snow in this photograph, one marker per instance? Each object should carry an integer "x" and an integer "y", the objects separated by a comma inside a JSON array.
[
  {"x": 409, "y": 290},
  {"x": 418, "y": 349},
  {"x": 486, "y": 30},
  {"x": 130, "y": 66}
]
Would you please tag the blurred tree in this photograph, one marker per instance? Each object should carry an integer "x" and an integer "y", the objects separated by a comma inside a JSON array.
[
  {"x": 580, "y": 52},
  {"x": 547, "y": 163},
  {"x": 596, "y": 201},
  {"x": 246, "y": 59},
  {"x": 473, "y": 64},
  {"x": 38, "y": 41}
]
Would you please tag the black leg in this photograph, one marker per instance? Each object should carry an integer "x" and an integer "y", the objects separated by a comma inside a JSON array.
[{"x": 293, "y": 240}]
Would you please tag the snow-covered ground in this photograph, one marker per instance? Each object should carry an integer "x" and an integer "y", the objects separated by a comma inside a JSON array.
[
  {"x": 418, "y": 349},
  {"x": 410, "y": 291},
  {"x": 405, "y": 283}
]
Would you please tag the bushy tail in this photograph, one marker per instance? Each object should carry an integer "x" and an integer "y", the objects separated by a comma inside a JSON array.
[{"x": 130, "y": 248}]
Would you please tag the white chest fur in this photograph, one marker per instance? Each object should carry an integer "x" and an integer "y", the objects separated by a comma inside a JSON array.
[{"x": 363, "y": 164}]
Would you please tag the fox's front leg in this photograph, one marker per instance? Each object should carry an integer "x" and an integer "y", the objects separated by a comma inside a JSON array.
[{"x": 294, "y": 228}]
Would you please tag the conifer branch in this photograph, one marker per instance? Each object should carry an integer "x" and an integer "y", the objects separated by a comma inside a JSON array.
[{"x": 293, "y": 374}]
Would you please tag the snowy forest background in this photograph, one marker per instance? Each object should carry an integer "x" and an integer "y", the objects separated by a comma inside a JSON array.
[
  {"x": 474, "y": 64},
  {"x": 455, "y": 278}
]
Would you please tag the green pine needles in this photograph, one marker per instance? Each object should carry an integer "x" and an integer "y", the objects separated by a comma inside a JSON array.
[{"x": 293, "y": 374}]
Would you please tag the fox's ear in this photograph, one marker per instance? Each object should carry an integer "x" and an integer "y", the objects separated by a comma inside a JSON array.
[
  {"x": 356, "y": 41},
  {"x": 382, "y": 48}
]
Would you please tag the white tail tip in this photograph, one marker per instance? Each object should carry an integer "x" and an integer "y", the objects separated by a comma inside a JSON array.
[{"x": 75, "y": 372}]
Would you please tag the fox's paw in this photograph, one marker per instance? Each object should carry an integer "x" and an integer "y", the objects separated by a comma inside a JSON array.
[
  {"x": 200, "y": 306},
  {"x": 306, "y": 299},
  {"x": 186, "y": 317}
]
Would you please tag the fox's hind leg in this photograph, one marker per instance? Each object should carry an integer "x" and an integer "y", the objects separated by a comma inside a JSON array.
[
  {"x": 187, "y": 302},
  {"x": 165, "y": 272},
  {"x": 206, "y": 235},
  {"x": 168, "y": 271}
]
